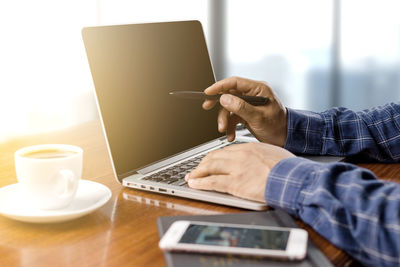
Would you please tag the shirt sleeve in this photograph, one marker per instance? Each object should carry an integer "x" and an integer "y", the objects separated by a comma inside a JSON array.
[
  {"x": 374, "y": 133},
  {"x": 344, "y": 203}
]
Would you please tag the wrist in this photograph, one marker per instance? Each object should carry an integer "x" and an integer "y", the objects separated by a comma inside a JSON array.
[
  {"x": 305, "y": 131},
  {"x": 283, "y": 129}
]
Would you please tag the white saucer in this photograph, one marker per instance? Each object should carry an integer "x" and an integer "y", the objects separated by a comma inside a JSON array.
[{"x": 89, "y": 197}]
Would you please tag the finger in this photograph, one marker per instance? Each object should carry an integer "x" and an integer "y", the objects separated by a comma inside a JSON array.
[
  {"x": 223, "y": 119},
  {"x": 239, "y": 107},
  {"x": 214, "y": 182},
  {"x": 240, "y": 147},
  {"x": 231, "y": 128},
  {"x": 234, "y": 83},
  {"x": 216, "y": 162},
  {"x": 209, "y": 104}
]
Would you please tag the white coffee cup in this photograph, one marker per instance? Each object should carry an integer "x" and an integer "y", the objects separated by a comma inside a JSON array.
[{"x": 48, "y": 175}]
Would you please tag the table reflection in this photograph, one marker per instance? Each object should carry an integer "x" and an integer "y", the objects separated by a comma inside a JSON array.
[{"x": 131, "y": 196}]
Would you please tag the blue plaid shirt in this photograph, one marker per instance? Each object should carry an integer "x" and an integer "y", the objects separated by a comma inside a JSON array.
[{"x": 346, "y": 204}]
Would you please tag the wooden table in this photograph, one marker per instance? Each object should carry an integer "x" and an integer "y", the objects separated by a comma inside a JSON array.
[{"x": 121, "y": 233}]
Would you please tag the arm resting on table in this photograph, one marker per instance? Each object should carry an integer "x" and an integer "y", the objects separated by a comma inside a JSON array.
[{"x": 344, "y": 203}]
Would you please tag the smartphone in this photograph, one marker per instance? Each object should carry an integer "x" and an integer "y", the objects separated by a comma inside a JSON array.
[{"x": 265, "y": 241}]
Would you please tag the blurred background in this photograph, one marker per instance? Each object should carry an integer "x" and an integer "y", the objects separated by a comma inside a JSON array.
[{"x": 315, "y": 53}]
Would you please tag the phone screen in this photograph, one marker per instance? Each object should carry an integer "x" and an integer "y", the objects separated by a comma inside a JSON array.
[{"x": 235, "y": 237}]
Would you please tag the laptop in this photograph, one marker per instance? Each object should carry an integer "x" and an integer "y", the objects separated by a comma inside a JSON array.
[{"x": 154, "y": 139}]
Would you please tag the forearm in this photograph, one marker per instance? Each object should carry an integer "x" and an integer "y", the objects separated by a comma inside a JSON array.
[
  {"x": 342, "y": 202},
  {"x": 342, "y": 132}
]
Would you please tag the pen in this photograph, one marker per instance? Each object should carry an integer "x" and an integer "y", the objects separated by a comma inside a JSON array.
[{"x": 253, "y": 100}]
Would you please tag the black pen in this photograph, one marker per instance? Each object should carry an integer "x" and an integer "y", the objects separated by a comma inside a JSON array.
[{"x": 253, "y": 100}]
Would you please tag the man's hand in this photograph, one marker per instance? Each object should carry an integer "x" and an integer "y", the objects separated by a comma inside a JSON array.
[
  {"x": 267, "y": 123},
  {"x": 240, "y": 170}
]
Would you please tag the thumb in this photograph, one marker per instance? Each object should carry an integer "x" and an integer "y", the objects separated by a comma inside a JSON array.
[{"x": 238, "y": 106}]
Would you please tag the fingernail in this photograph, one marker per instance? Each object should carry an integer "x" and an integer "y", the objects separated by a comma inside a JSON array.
[
  {"x": 225, "y": 100},
  {"x": 186, "y": 177},
  {"x": 219, "y": 126},
  {"x": 191, "y": 182}
]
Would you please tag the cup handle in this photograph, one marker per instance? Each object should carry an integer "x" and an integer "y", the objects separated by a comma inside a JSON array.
[{"x": 69, "y": 179}]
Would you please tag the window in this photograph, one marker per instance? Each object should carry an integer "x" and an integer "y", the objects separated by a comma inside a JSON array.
[
  {"x": 370, "y": 53},
  {"x": 285, "y": 43},
  {"x": 45, "y": 78},
  {"x": 318, "y": 53},
  {"x": 314, "y": 53}
]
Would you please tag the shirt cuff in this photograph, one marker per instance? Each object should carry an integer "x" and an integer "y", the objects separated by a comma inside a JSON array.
[
  {"x": 304, "y": 132},
  {"x": 286, "y": 181}
]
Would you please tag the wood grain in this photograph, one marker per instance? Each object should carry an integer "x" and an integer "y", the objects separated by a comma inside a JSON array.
[{"x": 121, "y": 233}]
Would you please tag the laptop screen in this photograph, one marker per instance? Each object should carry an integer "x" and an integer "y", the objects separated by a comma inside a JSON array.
[{"x": 134, "y": 67}]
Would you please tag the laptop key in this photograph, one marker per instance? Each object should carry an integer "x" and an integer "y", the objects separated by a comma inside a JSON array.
[
  {"x": 156, "y": 179},
  {"x": 165, "y": 176},
  {"x": 175, "y": 174},
  {"x": 164, "y": 181},
  {"x": 180, "y": 182},
  {"x": 172, "y": 180}
]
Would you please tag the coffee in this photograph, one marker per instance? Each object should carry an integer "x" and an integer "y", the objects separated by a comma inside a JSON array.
[{"x": 49, "y": 153}]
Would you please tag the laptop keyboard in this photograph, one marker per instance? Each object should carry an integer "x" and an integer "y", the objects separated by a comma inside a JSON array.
[{"x": 175, "y": 175}]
